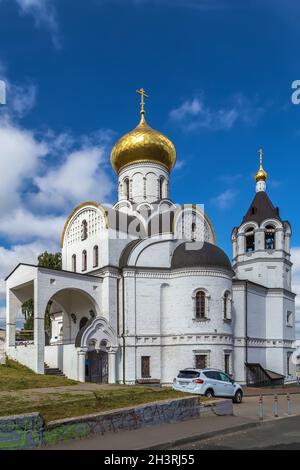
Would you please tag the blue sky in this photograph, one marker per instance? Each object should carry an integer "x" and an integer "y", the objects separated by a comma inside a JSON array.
[{"x": 219, "y": 76}]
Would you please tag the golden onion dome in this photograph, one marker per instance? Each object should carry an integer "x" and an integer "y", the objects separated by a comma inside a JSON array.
[
  {"x": 261, "y": 175},
  {"x": 143, "y": 144}
]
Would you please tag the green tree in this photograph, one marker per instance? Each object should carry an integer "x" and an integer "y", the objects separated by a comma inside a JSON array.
[
  {"x": 50, "y": 260},
  {"x": 45, "y": 260}
]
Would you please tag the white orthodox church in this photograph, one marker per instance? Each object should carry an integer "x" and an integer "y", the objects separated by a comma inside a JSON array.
[{"x": 145, "y": 291}]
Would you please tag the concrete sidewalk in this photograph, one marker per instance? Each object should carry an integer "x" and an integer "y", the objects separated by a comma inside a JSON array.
[
  {"x": 169, "y": 435},
  {"x": 257, "y": 391}
]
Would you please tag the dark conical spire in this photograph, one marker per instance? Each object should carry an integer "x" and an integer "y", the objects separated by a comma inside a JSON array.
[{"x": 261, "y": 208}]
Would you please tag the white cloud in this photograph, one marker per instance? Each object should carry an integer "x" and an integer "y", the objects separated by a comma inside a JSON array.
[
  {"x": 194, "y": 114},
  {"x": 179, "y": 165},
  {"x": 25, "y": 253},
  {"x": 23, "y": 225},
  {"x": 20, "y": 99},
  {"x": 230, "y": 179},
  {"x": 43, "y": 176},
  {"x": 79, "y": 178},
  {"x": 19, "y": 160},
  {"x": 44, "y": 15},
  {"x": 225, "y": 199}
]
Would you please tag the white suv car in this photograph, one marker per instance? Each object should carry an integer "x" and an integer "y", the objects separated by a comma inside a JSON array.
[{"x": 208, "y": 382}]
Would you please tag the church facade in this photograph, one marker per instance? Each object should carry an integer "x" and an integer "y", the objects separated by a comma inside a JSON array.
[{"x": 145, "y": 291}]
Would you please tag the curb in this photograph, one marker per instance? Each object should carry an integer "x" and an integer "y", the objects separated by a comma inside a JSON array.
[{"x": 200, "y": 437}]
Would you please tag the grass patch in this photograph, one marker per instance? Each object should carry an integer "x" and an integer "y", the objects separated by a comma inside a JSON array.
[
  {"x": 14, "y": 376},
  {"x": 66, "y": 405},
  {"x": 56, "y": 404}
]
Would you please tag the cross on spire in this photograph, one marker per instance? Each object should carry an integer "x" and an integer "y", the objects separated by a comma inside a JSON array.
[
  {"x": 143, "y": 95},
  {"x": 260, "y": 156}
]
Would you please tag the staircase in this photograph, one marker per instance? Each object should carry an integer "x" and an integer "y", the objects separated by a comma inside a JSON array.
[
  {"x": 257, "y": 376},
  {"x": 53, "y": 371}
]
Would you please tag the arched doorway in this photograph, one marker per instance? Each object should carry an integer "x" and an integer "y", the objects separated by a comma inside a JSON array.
[
  {"x": 96, "y": 369},
  {"x": 97, "y": 345}
]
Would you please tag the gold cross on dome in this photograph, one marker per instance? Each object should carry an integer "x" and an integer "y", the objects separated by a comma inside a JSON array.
[
  {"x": 260, "y": 156},
  {"x": 143, "y": 94}
]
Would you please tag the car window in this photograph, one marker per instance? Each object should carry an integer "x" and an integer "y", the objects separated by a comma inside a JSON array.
[
  {"x": 209, "y": 374},
  {"x": 217, "y": 375},
  {"x": 188, "y": 374},
  {"x": 224, "y": 377},
  {"x": 212, "y": 374}
]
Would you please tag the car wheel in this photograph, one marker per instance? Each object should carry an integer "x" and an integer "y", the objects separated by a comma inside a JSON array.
[
  {"x": 209, "y": 393},
  {"x": 238, "y": 397}
]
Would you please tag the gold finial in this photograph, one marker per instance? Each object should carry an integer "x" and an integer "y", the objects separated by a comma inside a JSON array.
[
  {"x": 143, "y": 94},
  {"x": 261, "y": 174}
]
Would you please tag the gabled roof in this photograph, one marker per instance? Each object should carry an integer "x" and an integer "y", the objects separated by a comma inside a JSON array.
[{"x": 261, "y": 208}]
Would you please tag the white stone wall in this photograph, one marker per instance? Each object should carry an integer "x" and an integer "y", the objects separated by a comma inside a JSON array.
[
  {"x": 160, "y": 321},
  {"x": 269, "y": 337},
  {"x": 26, "y": 355}
]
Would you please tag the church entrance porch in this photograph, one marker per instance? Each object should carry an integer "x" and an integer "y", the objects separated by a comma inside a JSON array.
[{"x": 75, "y": 297}]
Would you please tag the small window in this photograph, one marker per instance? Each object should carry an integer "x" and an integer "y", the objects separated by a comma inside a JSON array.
[
  {"x": 84, "y": 230},
  {"x": 161, "y": 183},
  {"x": 201, "y": 361},
  {"x": 145, "y": 367},
  {"x": 250, "y": 240},
  {"x": 289, "y": 318},
  {"x": 200, "y": 305},
  {"x": 74, "y": 263},
  {"x": 288, "y": 363},
  {"x": 226, "y": 301},
  {"x": 83, "y": 322},
  {"x": 84, "y": 260},
  {"x": 270, "y": 238},
  {"x": 227, "y": 363},
  {"x": 126, "y": 187},
  {"x": 95, "y": 256},
  {"x": 193, "y": 229}
]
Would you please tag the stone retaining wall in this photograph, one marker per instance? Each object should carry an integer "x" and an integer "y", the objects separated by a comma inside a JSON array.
[{"x": 29, "y": 431}]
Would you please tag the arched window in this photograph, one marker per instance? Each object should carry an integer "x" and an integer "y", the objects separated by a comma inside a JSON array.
[
  {"x": 270, "y": 237},
  {"x": 126, "y": 188},
  {"x": 95, "y": 256},
  {"x": 83, "y": 322},
  {"x": 161, "y": 183},
  {"x": 250, "y": 240},
  {"x": 193, "y": 229},
  {"x": 74, "y": 263},
  {"x": 84, "y": 230},
  {"x": 84, "y": 260},
  {"x": 226, "y": 306},
  {"x": 200, "y": 305}
]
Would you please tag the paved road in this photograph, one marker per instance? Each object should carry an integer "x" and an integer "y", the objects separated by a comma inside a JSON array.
[{"x": 280, "y": 434}]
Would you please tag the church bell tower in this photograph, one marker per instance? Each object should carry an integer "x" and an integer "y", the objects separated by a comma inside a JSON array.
[{"x": 261, "y": 244}]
